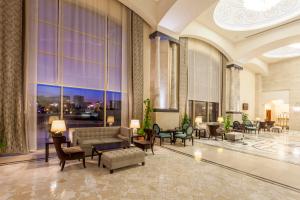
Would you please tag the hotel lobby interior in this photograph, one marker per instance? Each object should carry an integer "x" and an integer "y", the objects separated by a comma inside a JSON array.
[{"x": 150, "y": 99}]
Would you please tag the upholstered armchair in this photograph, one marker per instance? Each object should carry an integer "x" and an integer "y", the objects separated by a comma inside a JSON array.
[
  {"x": 70, "y": 153},
  {"x": 161, "y": 134},
  {"x": 238, "y": 127},
  {"x": 252, "y": 127},
  {"x": 187, "y": 134}
]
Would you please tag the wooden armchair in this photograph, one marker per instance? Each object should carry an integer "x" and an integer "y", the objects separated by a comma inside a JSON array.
[
  {"x": 148, "y": 142},
  {"x": 70, "y": 153},
  {"x": 161, "y": 134},
  {"x": 188, "y": 134},
  {"x": 238, "y": 127}
]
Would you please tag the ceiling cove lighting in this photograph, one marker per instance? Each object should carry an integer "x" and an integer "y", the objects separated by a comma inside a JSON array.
[
  {"x": 245, "y": 15},
  {"x": 289, "y": 51}
]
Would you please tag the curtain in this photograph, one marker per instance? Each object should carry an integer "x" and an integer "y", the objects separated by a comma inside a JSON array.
[
  {"x": 82, "y": 46},
  {"x": 204, "y": 72},
  {"x": 137, "y": 66},
  {"x": 12, "y": 124},
  {"x": 183, "y": 78}
]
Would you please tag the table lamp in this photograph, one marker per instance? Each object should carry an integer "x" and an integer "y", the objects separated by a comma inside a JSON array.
[
  {"x": 134, "y": 124},
  {"x": 220, "y": 120},
  {"x": 198, "y": 121},
  {"x": 58, "y": 127},
  {"x": 110, "y": 120}
]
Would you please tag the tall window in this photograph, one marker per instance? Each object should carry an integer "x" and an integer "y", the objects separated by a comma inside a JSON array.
[
  {"x": 209, "y": 111},
  {"x": 79, "y": 69}
]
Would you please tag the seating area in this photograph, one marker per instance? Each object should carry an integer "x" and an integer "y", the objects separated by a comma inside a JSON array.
[{"x": 149, "y": 99}]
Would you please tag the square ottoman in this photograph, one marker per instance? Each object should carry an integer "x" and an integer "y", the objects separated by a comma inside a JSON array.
[
  {"x": 122, "y": 158},
  {"x": 234, "y": 136}
]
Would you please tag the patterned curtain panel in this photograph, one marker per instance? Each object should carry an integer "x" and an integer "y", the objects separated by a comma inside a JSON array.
[
  {"x": 137, "y": 66},
  {"x": 12, "y": 129},
  {"x": 183, "y": 78}
]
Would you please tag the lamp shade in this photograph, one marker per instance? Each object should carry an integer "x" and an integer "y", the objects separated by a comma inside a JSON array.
[
  {"x": 220, "y": 119},
  {"x": 58, "y": 126},
  {"x": 52, "y": 118},
  {"x": 198, "y": 119},
  {"x": 257, "y": 119},
  {"x": 134, "y": 123},
  {"x": 110, "y": 119}
]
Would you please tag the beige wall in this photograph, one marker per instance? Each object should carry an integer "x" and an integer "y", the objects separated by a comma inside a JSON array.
[
  {"x": 247, "y": 91},
  {"x": 285, "y": 75}
]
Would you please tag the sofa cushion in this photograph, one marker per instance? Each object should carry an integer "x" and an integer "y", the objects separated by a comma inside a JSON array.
[{"x": 90, "y": 141}]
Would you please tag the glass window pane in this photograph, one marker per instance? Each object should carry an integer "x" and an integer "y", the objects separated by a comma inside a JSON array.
[
  {"x": 48, "y": 10},
  {"x": 83, "y": 107},
  {"x": 213, "y": 112},
  {"x": 47, "y": 38},
  {"x": 47, "y": 68},
  {"x": 191, "y": 111},
  {"x": 48, "y": 104},
  {"x": 201, "y": 110},
  {"x": 113, "y": 106}
]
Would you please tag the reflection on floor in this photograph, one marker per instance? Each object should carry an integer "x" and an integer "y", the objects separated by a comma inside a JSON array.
[
  {"x": 280, "y": 146},
  {"x": 166, "y": 175}
]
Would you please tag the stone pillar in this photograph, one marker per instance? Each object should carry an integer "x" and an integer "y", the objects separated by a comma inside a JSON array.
[
  {"x": 157, "y": 73},
  {"x": 173, "y": 85},
  {"x": 234, "y": 92}
]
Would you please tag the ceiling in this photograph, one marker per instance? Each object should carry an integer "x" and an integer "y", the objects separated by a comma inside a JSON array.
[
  {"x": 194, "y": 18},
  {"x": 206, "y": 18}
]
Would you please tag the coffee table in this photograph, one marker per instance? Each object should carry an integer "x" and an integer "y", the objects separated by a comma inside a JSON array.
[{"x": 98, "y": 149}]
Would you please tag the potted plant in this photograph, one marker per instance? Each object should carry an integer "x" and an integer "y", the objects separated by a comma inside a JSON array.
[
  {"x": 227, "y": 123},
  {"x": 2, "y": 144},
  {"x": 185, "y": 120},
  {"x": 245, "y": 118},
  {"x": 147, "y": 121}
]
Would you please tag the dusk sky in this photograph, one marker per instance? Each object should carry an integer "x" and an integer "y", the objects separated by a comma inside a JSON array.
[{"x": 89, "y": 95}]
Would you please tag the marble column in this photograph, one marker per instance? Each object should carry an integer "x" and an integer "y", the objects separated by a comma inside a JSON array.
[
  {"x": 156, "y": 91},
  {"x": 173, "y": 85}
]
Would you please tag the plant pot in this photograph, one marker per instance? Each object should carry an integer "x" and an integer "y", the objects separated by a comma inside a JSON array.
[{"x": 141, "y": 138}]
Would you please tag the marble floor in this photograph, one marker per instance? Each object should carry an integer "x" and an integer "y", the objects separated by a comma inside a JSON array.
[
  {"x": 172, "y": 173},
  {"x": 278, "y": 146}
]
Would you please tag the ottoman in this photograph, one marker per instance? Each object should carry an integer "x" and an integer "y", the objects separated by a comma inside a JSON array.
[
  {"x": 122, "y": 158},
  {"x": 234, "y": 136},
  {"x": 277, "y": 129}
]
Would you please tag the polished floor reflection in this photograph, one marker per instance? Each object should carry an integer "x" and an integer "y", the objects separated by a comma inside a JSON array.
[
  {"x": 168, "y": 174},
  {"x": 279, "y": 146}
]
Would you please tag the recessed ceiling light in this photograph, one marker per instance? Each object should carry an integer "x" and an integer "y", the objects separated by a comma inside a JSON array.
[{"x": 244, "y": 15}]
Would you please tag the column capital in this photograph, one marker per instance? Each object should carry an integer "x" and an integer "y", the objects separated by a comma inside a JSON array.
[{"x": 234, "y": 65}]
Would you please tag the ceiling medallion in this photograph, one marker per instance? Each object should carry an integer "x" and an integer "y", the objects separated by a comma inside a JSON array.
[
  {"x": 292, "y": 50},
  {"x": 245, "y": 15}
]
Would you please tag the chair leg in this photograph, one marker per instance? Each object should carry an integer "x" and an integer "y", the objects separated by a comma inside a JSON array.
[
  {"x": 62, "y": 165},
  {"x": 60, "y": 162},
  {"x": 192, "y": 141},
  {"x": 83, "y": 162},
  {"x": 159, "y": 141},
  {"x": 184, "y": 142},
  {"x": 152, "y": 150}
]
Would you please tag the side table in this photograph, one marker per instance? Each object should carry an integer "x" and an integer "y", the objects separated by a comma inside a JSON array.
[{"x": 68, "y": 142}]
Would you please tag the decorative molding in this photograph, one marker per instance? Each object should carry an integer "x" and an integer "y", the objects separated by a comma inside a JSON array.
[
  {"x": 234, "y": 66},
  {"x": 165, "y": 110},
  {"x": 162, "y": 37}
]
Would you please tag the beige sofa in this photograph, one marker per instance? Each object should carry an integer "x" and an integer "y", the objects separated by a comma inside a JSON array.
[{"x": 86, "y": 137}]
